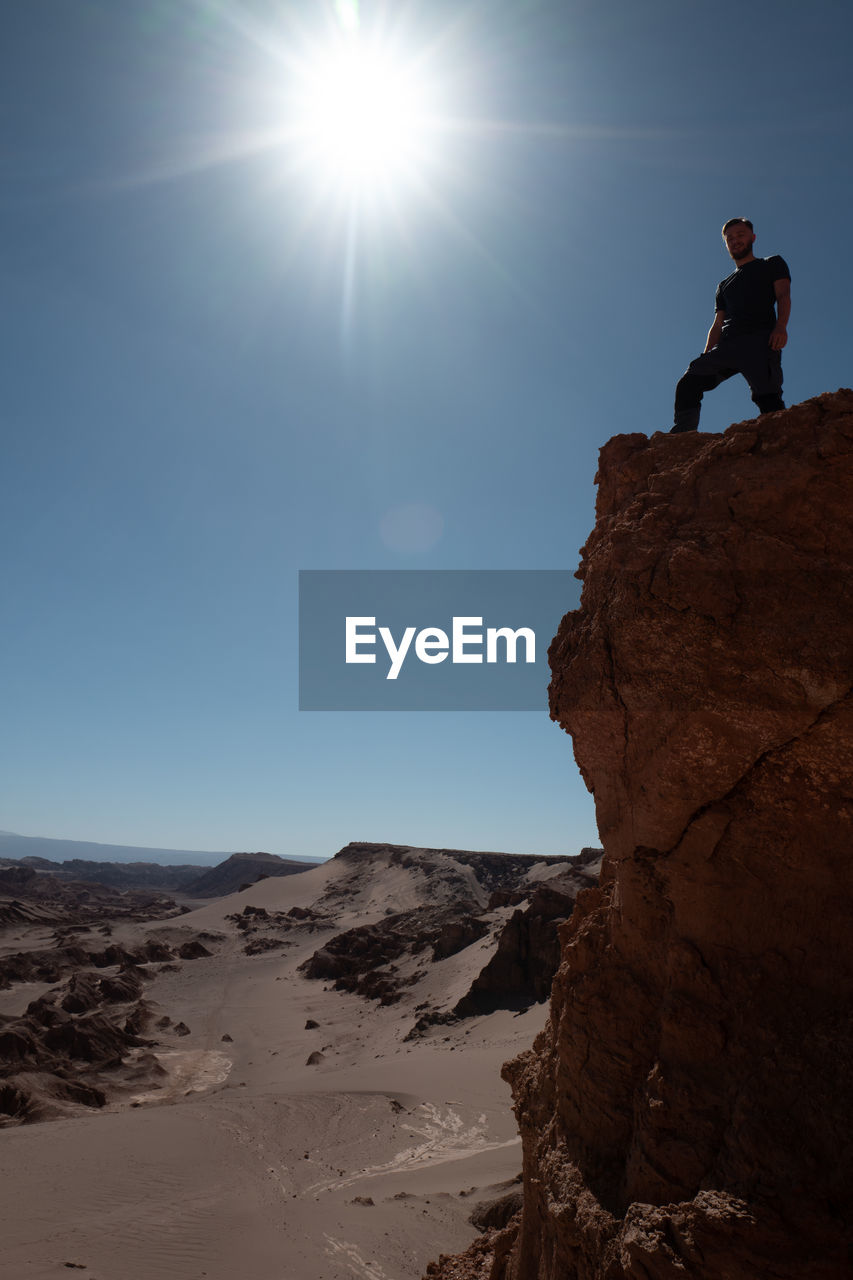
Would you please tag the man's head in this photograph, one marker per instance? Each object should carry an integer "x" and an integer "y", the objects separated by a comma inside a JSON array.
[{"x": 739, "y": 237}]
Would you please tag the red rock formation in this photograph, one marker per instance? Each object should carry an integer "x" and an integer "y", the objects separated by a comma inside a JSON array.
[{"x": 687, "y": 1111}]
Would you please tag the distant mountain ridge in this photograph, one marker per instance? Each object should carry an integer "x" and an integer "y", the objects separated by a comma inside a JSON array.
[
  {"x": 154, "y": 876},
  {"x": 16, "y": 847},
  {"x": 39, "y": 875}
]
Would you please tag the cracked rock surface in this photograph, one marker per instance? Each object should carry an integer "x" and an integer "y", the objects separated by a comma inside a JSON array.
[{"x": 687, "y": 1111}]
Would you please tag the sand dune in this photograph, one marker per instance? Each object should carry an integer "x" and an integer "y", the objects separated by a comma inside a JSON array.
[{"x": 292, "y": 1131}]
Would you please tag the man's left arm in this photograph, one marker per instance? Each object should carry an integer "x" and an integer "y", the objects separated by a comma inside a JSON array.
[{"x": 779, "y": 336}]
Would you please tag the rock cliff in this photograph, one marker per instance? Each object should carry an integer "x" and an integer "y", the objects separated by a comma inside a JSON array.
[{"x": 687, "y": 1110}]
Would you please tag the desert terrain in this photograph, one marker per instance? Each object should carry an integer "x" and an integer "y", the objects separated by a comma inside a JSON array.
[{"x": 275, "y": 1084}]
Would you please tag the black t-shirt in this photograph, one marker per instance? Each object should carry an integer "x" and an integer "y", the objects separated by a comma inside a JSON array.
[{"x": 747, "y": 296}]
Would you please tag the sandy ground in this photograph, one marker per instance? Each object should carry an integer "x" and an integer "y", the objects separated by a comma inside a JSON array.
[{"x": 246, "y": 1161}]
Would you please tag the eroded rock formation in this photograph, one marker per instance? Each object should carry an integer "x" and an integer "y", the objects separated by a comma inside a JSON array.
[
  {"x": 687, "y": 1111},
  {"x": 527, "y": 956},
  {"x": 78, "y": 1045},
  {"x": 464, "y": 893}
]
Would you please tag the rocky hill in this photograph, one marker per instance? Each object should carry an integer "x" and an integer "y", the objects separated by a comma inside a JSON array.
[
  {"x": 687, "y": 1111},
  {"x": 239, "y": 871},
  {"x": 515, "y": 900}
]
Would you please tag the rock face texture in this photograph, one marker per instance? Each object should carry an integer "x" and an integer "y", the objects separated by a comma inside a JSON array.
[{"x": 687, "y": 1111}]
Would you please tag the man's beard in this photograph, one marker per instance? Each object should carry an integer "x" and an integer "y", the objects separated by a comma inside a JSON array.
[{"x": 739, "y": 254}]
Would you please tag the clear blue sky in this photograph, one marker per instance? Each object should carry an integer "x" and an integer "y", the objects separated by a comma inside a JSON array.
[{"x": 216, "y": 374}]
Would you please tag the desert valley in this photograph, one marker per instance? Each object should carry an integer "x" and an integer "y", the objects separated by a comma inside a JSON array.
[{"x": 297, "y": 1081}]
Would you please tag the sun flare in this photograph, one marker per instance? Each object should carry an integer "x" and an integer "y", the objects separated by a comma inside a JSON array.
[{"x": 363, "y": 117}]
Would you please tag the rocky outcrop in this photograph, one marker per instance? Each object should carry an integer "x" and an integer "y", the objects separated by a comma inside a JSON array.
[
  {"x": 61, "y": 1052},
  {"x": 361, "y": 959},
  {"x": 528, "y": 952},
  {"x": 78, "y": 1045},
  {"x": 50, "y": 965},
  {"x": 687, "y": 1111}
]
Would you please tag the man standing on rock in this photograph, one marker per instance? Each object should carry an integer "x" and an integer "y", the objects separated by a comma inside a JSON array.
[{"x": 749, "y": 331}]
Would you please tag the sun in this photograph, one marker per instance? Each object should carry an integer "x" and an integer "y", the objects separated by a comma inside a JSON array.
[{"x": 363, "y": 117}]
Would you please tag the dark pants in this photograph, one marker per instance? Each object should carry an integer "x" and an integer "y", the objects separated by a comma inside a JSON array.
[{"x": 749, "y": 354}]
